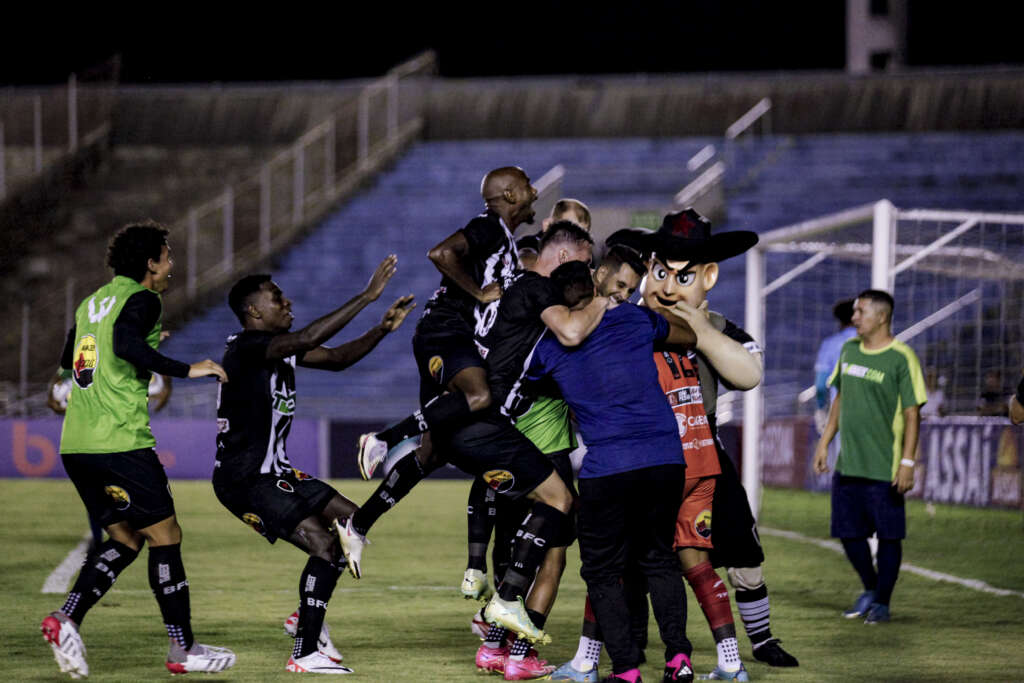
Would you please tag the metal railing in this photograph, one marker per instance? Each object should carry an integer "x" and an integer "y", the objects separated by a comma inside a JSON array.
[{"x": 251, "y": 219}]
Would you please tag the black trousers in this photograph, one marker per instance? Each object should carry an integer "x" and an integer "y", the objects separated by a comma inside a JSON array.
[{"x": 627, "y": 521}]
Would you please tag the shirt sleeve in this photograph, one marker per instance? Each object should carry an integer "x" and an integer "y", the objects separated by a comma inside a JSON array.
[
  {"x": 538, "y": 369},
  {"x": 836, "y": 377},
  {"x": 138, "y": 316},
  {"x": 67, "y": 356},
  {"x": 659, "y": 326},
  {"x": 912, "y": 388},
  {"x": 483, "y": 235},
  {"x": 737, "y": 333}
]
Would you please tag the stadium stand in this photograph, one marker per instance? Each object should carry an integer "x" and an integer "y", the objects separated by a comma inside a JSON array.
[{"x": 432, "y": 190}]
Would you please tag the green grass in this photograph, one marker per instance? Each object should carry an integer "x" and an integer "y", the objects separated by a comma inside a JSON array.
[{"x": 404, "y": 621}]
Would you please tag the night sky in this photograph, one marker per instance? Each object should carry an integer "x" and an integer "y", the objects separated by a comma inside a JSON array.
[{"x": 180, "y": 44}]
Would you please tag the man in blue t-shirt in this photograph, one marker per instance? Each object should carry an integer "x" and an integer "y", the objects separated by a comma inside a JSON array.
[{"x": 631, "y": 482}]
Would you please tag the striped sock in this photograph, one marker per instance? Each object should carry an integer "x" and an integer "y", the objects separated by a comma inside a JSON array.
[{"x": 755, "y": 613}]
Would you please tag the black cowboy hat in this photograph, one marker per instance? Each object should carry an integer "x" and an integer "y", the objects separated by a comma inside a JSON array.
[
  {"x": 686, "y": 236},
  {"x": 637, "y": 239}
]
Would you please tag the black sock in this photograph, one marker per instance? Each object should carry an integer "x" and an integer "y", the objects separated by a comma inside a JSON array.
[
  {"x": 315, "y": 588},
  {"x": 890, "y": 554},
  {"x": 170, "y": 587},
  {"x": 444, "y": 410},
  {"x": 536, "y": 617},
  {"x": 406, "y": 473},
  {"x": 481, "y": 514},
  {"x": 97, "y": 576},
  {"x": 532, "y": 541},
  {"x": 755, "y": 612},
  {"x": 859, "y": 554}
]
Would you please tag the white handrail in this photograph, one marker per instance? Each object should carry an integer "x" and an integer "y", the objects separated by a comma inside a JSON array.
[{"x": 763, "y": 106}]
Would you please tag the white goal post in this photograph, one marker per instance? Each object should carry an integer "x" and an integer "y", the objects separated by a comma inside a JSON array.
[{"x": 958, "y": 281}]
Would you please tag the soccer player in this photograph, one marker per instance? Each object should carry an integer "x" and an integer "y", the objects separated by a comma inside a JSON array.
[
  {"x": 879, "y": 393},
  {"x": 566, "y": 209},
  {"x": 476, "y": 263},
  {"x": 252, "y": 475},
  {"x": 107, "y": 450},
  {"x": 631, "y": 482}
]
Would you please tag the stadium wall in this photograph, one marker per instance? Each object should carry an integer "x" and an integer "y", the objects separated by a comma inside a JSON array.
[{"x": 963, "y": 460}]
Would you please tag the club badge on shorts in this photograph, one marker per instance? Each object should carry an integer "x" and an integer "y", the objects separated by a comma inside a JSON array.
[
  {"x": 119, "y": 495},
  {"x": 253, "y": 520},
  {"x": 436, "y": 367},
  {"x": 702, "y": 524},
  {"x": 499, "y": 480}
]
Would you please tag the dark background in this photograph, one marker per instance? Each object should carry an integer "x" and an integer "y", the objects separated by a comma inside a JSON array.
[{"x": 180, "y": 44}]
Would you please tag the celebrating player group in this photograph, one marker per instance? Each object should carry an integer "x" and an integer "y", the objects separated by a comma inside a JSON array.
[{"x": 581, "y": 417}]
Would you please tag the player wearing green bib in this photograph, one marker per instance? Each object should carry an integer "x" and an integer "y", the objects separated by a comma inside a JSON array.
[
  {"x": 877, "y": 409},
  {"x": 107, "y": 450}
]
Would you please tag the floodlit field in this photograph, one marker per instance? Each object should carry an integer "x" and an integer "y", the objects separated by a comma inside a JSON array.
[{"x": 405, "y": 621}]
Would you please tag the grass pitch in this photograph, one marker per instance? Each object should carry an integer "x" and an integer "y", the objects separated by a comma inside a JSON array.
[{"x": 405, "y": 621}]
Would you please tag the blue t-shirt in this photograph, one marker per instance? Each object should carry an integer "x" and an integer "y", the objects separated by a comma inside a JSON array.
[
  {"x": 828, "y": 356},
  {"x": 611, "y": 383}
]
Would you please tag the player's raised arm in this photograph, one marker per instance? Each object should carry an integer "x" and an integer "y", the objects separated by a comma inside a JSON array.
[
  {"x": 341, "y": 357},
  {"x": 269, "y": 309},
  {"x": 736, "y": 365}
]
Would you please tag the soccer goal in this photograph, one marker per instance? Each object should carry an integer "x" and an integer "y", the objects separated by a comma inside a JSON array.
[{"x": 957, "y": 278}]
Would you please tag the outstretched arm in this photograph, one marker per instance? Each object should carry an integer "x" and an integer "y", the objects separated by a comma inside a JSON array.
[
  {"x": 341, "y": 357},
  {"x": 447, "y": 258},
  {"x": 320, "y": 330}
]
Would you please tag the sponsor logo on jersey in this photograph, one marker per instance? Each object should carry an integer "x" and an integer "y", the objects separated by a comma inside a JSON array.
[
  {"x": 119, "y": 495},
  {"x": 702, "y": 524},
  {"x": 863, "y": 372},
  {"x": 85, "y": 360},
  {"x": 300, "y": 475},
  {"x": 681, "y": 423},
  {"x": 253, "y": 520},
  {"x": 285, "y": 486},
  {"x": 223, "y": 425},
  {"x": 436, "y": 367},
  {"x": 284, "y": 402},
  {"x": 500, "y": 480},
  {"x": 685, "y": 396}
]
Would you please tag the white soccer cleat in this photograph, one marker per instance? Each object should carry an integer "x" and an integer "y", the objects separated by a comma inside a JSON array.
[
  {"x": 324, "y": 644},
  {"x": 478, "y": 625},
  {"x": 475, "y": 586},
  {"x": 68, "y": 648},
  {"x": 315, "y": 663},
  {"x": 352, "y": 543},
  {"x": 372, "y": 452},
  {"x": 512, "y": 615},
  {"x": 202, "y": 659}
]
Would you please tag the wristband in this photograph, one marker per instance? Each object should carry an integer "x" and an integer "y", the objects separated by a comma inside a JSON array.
[{"x": 908, "y": 462}]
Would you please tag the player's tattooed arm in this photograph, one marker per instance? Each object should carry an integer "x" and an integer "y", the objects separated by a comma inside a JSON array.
[
  {"x": 320, "y": 330},
  {"x": 572, "y": 327},
  {"x": 341, "y": 357},
  {"x": 447, "y": 257}
]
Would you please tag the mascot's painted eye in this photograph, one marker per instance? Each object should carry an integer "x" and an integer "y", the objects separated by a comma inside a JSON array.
[{"x": 659, "y": 273}]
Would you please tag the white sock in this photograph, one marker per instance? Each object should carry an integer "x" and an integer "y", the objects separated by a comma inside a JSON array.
[
  {"x": 588, "y": 654},
  {"x": 728, "y": 655}
]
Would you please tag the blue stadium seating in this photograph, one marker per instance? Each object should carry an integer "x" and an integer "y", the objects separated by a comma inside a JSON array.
[{"x": 433, "y": 190}]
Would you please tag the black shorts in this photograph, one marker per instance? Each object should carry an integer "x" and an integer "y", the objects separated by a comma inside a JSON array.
[
  {"x": 494, "y": 449},
  {"x": 273, "y": 505},
  {"x": 441, "y": 356},
  {"x": 511, "y": 514},
  {"x": 861, "y": 507},
  {"x": 127, "y": 487},
  {"x": 736, "y": 541}
]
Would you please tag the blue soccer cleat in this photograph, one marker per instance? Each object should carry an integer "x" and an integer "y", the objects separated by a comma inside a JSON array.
[
  {"x": 861, "y": 606},
  {"x": 877, "y": 614},
  {"x": 567, "y": 672}
]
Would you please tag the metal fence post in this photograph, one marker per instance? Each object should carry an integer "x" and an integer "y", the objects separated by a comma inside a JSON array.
[
  {"x": 265, "y": 209},
  {"x": 229, "y": 228},
  {"x": 37, "y": 130},
  {"x": 72, "y": 113},
  {"x": 753, "y": 400},
  {"x": 23, "y": 370},
  {"x": 363, "y": 135},
  {"x": 392, "y": 108},
  {"x": 883, "y": 245},
  {"x": 69, "y": 303},
  {"x": 298, "y": 182},
  {"x": 3, "y": 165},
  {"x": 330, "y": 144},
  {"x": 191, "y": 276}
]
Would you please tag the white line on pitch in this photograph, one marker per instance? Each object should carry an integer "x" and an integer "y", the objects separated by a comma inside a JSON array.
[
  {"x": 905, "y": 567},
  {"x": 59, "y": 579}
]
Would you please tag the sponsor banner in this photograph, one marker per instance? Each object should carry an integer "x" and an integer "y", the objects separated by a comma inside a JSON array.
[
  {"x": 961, "y": 459},
  {"x": 187, "y": 447}
]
